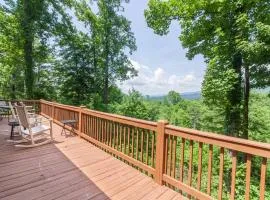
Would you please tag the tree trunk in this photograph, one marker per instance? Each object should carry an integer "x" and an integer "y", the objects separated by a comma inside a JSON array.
[
  {"x": 235, "y": 98},
  {"x": 246, "y": 101},
  {"x": 28, "y": 48},
  {"x": 106, "y": 64},
  {"x": 106, "y": 79}
]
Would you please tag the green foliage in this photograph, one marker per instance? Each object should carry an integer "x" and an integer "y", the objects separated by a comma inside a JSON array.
[
  {"x": 233, "y": 36},
  {"x": 44, "y": 55},
  {"x": 134, "y": 105},
  {"x": 173, "y": 98}
]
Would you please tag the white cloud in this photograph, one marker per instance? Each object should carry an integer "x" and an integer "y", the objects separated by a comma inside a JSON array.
[{"x": 159, "y": 81}]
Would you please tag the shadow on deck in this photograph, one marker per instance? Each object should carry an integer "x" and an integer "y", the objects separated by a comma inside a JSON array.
[{"x": 70, "y": 168}]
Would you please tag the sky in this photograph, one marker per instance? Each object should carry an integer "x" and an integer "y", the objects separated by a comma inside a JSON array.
[{"x": 160, "y": 60}]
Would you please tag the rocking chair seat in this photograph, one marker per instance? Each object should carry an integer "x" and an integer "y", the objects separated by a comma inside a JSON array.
[{"x": 36, "y": 129}]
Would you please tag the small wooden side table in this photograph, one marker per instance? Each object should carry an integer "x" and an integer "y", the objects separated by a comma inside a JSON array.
[{"x": 69, "y": 122}]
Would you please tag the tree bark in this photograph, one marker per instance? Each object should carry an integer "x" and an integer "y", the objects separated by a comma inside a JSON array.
[
  {"x": 106, "y": 78},
  {"x": 235, "y": 98},
  {"x": 106, "y": 64},
  {"x": 28, "y": 47}
]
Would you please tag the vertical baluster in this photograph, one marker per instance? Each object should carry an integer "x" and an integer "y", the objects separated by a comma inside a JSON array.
[
  {"x": 110, "y": 131},
  {"x": 99, "y": 130},
  {"x": 181, "y": 167},
  {"x": 248, "y": 173},
  {"x": 102, "y": 130},
  {"x": 125, "y": 132},
  {"x": 100, "y": 127},
  {"x": 190, "y": 164},
  {"x": 95, "y": 127},
  {"x": 84, "y": 124},
  {"x": 132, "y": 141},
  {"x": 147, "y": 147},
  {"x": 92, "y": 126},
  {"x": 128, "y": 132},
  {"x": 137, "y": 144},
  {"x": 166, "y": 154},
  {"x": 221, "y": 167},
  {"x": 199, "y": 166},
  {"x": 142, "y": 142},
  {"x": 88, "y": 124},
  {"x": 170, "y": 158},
  {"x": 210, "y": 161},
  {"x": 263, "y": 176},
  {"x": 174, "y": 156},
  {"x": 107, "y": 129},
  {"x": 105, "y": 132},
  {"x": 90, "y": 118},
  {"x": 153, "y": 149},
  {"x": 234, "y": 163},
  {"x": 117, "y": 136},
  {"x": 114, "y": 135},
  {"x": 120, "y": 136}
]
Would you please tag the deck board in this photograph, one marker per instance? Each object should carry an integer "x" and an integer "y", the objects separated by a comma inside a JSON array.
[{"x": 70, "y": 168}]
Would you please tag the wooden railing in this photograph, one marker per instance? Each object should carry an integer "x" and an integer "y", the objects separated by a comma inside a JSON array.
[
  {"x": 183, "y": 159},
  {"x": 34, "y": 103}
]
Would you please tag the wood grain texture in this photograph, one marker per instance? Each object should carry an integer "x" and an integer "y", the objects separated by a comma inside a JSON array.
[{"x": 71, "y": 168}]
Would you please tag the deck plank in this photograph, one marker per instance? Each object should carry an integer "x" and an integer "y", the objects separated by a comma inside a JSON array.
[{"x": 70, "y": 168}]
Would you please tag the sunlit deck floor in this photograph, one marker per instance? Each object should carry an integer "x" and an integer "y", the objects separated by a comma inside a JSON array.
[{"x": 70, "y": 168}]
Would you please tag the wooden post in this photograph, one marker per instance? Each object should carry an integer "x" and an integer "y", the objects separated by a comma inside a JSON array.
[
  {"x": 40, "y": 106},
  {"x": 53, "y": 111},
  {"x": 80, "y": 120},
  {"x": 160, "y": 151}
]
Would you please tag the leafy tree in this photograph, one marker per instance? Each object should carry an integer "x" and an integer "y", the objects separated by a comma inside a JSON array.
[
  {"x": 134, "y": 105},
  {"x": 117, "y": 39},
  {"x": 173, "y": 98},
  {"x": 234, "y": 37},
  {"x": 36, "y": 23},
  {"x": 11, "y": 57},
  {"x": 109, "y": 39}
]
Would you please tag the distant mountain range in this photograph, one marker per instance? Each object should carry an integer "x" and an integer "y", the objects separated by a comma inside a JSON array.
[
  {"x": 197, "y": 95},
  {"x": 185, "y": 95}
]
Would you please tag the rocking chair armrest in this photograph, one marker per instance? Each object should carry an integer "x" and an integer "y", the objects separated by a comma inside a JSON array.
[{"x": 45, "y": 120}]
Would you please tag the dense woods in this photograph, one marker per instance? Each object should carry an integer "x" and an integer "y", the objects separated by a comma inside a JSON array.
[{"x": 45, "y": 54}]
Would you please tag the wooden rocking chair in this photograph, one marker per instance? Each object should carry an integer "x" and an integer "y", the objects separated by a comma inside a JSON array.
[{"x": 36, "y": 133}]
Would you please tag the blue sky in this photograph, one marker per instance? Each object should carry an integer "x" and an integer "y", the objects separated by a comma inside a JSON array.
[{"x": 160, "y": 60}]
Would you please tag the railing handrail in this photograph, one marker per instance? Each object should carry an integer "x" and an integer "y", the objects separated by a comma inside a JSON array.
[
  {"x": 114, "y": 117},
  {"x": 258, "y": 148},
  {"x": 170, "y": 128},
  {"x": 73, "y": 108}
]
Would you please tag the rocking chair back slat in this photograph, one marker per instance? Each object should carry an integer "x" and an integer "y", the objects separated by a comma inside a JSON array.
[
  {"x": 12, "y": 110},
  {"x": 22, "y": 115}
]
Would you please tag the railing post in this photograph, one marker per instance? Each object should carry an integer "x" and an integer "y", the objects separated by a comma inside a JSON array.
[
  {"x": 40, "y": 104},
  {"x": 53, "y": 111},
  {"x": 160, "y": 151},
  {"x": 80, "y": 120}
]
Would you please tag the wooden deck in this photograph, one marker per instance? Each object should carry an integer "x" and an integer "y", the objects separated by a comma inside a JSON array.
[{"x": 71, "y": 168}]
